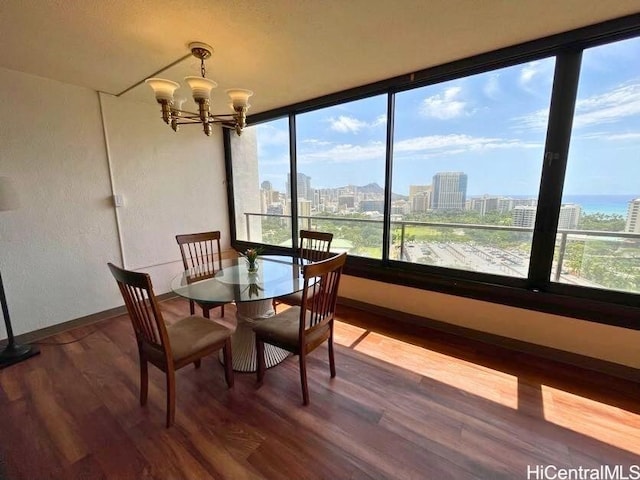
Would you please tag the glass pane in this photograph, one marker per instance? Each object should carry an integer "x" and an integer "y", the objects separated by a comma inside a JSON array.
[
  {"x": 598, "y": 241},
  {"x": 341, "y": 169},
  {"x": 467, "y": 160},
  {"x": 260, "y": 159}
]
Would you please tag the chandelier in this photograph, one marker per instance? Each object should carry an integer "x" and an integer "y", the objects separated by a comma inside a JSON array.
[{"x": 201, "y": 87}]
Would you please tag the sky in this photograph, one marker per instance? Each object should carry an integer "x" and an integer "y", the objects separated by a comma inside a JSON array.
[{"x": 491, "y": 126}]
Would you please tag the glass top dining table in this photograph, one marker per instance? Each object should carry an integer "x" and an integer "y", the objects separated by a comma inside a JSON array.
[
  {"x": 253, "y": 294},
  {"x": 277, "y": 275}
]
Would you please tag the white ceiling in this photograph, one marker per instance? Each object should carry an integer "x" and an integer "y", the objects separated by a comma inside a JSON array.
[{"x": 285, "y": 50}]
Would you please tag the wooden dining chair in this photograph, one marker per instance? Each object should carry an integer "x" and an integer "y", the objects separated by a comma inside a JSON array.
[
  {"x": 199, "y": 251},
  {"x": 301, "y": 329},
  {"x": 168, "y": 347},
  {"x": 314, "y": 246}
]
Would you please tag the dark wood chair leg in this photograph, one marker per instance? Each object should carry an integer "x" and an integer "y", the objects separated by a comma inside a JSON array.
[
  {"x": 192, "y": 307},
  {"x": 144, "y": 380},
  {"x": 260, "y": 359},
  {"x": 332, "y": 361},
  {"x": 303, "y": 378},
  {"x": 228, "y": 362},
  {"x": 197, "y": 363},
  {"x": 222, "y": 311},
  {"x": 171, "y": 396},
  {"x": 205, "y": 312}
]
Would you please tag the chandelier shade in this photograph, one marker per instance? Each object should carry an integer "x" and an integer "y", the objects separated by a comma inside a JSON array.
[
  {"x": 201, "y": 88},
  {"x": 163, "y": 88}
]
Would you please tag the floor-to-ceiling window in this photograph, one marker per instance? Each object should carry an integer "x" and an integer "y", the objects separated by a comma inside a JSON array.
[
  {"x": 598, "y": 241},
  {"x": 341, "y": 173},
  {"x": 467, "y": 158},
  {"x": 260, "y": 182},
  {"x": 456, "y": 178}
]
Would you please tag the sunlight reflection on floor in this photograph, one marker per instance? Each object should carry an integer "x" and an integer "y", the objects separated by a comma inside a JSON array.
[
  {"x": 570, "y": 411},
  {"x": 490, "y": 384},
  {"x": 588, "y": 417}
]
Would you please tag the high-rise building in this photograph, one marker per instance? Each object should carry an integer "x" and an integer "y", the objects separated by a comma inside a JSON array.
[
  {"x": 421, "y": 201},
  {"x": 449, "y": 191},
  {"x": 400, "y": 207},
  {"x": 372, "y": 206},
  {"x": 346, "y": 201},
  {"x": 524, "y": 216},
  {"x": 569, "y": 216},
  {"x": 484, "y": 204},
  {"x": 418, "y": 196},
  {"x": 506, "y": 204},
  {"x": 303, "y": 186},
  {"x": 633, "y": 216}
]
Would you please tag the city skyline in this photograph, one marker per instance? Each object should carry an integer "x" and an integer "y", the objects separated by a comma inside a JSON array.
[{"x": 491, "y": 126}]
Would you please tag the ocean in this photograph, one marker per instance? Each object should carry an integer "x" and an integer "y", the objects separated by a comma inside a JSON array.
[{"x": 609, "y": 204}]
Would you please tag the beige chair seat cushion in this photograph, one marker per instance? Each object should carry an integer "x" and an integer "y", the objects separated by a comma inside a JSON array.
[
  {"x": 292, "y": 299},
  {"x": 284, "y": 328},
  {"x": 194, "y": 333}
]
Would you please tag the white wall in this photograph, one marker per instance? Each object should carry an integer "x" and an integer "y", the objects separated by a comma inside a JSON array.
[
  {"x": 171, "y": 183},
  {"x": 54, "y": 249}
]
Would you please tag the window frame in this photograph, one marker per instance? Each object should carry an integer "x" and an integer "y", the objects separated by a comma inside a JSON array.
[{"x": 536, "y": 291}]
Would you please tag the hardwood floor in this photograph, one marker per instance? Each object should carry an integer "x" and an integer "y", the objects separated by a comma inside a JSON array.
[{"x": 421, "y": 405}]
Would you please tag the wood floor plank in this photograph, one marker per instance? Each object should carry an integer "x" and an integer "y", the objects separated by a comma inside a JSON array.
[{"x": 407, "y": 403}]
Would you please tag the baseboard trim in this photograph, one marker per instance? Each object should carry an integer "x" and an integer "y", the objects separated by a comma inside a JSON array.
[
  {"x": 549, "y": 353},
  {"x": 42, "y": 333},
  {"x": 595, "y": 364}
]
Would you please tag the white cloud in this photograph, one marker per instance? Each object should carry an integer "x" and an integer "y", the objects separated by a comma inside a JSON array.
[
  {"x": 270, "y": 135},
  {"x": 381, "y": 120},
  {"x": 606, "y": 108},
  {"x": 344, "y": 124},
  {"x": 444, "y": 106},
  {"x": 345, "y": 153},
  {"x": 455, "y": 143},
  {"x": 533, "y": 121},
  {"x": 529, "y": 72},
  {"x": 316, "y": 142},
  {"x": 419, "y": 146},
  {"x": 535, "y": 77},
  {"x": 492, "y": 89},
  {"x": 609, "y": 107}
]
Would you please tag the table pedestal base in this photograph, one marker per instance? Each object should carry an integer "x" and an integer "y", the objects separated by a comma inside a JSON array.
[{"x": 243, "y": 341}]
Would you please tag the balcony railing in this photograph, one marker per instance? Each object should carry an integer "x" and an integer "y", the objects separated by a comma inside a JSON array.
[{"x": 600, "y": 259}]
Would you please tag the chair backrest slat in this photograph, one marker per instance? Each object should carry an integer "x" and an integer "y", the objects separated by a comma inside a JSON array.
[
  {"x": 320, "y": 294},
  {"x": 142, "y": 306},
  {"x": 199, "y": 252},
  {"x": 315, "y": 245}
]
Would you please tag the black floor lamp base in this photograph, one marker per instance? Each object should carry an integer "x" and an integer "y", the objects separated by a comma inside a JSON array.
[{"x": 17, "y": 353}]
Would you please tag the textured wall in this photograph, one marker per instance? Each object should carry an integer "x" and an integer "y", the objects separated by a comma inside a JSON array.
[
  {"x": 54, "y": 249},
  {"x": 171, "y": 183}
]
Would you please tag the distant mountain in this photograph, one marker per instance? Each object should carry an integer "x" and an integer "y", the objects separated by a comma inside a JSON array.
[{"x": 378, "y": 190}]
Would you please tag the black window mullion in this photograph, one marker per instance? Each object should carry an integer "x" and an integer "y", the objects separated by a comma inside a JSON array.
[
  {"x": 293, "y": 184},
  {"x": 561, "y": 110},
  {"x": 228, "y": 162},
  {"x": 386, "y": 226}
]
